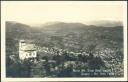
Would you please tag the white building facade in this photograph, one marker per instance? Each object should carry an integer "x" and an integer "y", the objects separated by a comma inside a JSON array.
[{"x": 27, "y": 50}]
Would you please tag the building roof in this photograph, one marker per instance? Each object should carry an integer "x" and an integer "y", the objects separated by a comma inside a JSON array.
[
  {"x": 29, "y": 47},
  {"x": 26, "y": 41}
]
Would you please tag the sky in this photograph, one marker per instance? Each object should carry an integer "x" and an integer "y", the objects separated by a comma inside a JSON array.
[{"x": 41, "y": 12}]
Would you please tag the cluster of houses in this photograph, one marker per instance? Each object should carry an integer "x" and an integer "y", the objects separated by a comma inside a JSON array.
[{"x": 27, "y": 49}]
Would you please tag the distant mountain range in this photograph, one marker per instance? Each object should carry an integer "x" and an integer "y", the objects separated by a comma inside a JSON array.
[
  {"x": 103, "y": 23},
  {"x": 106, "y": 23},
  {"x": 67, "y": 35}
]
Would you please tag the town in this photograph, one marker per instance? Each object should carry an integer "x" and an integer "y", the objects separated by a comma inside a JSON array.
[{"x": 56, "y": 62}]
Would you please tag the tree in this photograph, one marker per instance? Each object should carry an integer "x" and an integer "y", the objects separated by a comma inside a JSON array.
[{"x": 96, "y": 63}]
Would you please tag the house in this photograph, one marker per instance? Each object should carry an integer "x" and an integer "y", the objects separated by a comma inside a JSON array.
[{"x": 27, "y": 49}]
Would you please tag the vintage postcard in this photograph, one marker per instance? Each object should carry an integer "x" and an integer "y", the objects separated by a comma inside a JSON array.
[{"x": 63, "y": 41}]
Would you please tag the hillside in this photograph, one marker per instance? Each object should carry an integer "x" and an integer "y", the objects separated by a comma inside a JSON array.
[
  {"x": 75, "y": 39},
  {"x": 61, "y": 34}
]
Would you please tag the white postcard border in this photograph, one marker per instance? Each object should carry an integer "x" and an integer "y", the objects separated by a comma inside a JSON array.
[{"x": 3, "y": 66}]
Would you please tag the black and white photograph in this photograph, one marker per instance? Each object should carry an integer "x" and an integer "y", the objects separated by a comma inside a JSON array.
[{"x": 64, "y": 39}]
